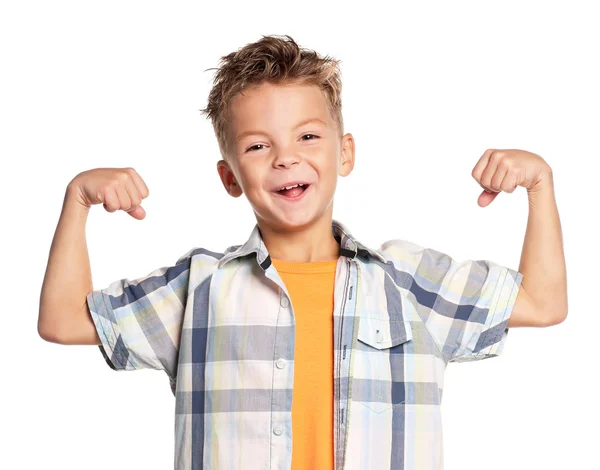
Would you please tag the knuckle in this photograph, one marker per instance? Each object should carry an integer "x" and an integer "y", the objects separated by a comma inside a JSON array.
[
  {"x": 495, "y": 156},
  {"x": 135, "y": 200},
  {"x": 123, "y": 176},
  {"x": 125, "y": 202}
]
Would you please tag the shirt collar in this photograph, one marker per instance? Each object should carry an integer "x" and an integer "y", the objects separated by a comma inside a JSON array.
[{"x": 349, "y": 247}]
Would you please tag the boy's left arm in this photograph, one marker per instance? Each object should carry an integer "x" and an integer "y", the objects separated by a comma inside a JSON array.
[{"x": 542, "y": 297}]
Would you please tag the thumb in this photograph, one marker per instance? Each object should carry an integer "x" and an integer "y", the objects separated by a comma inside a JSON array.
[
  {"x": 137, "y": 212},
  {"x": 486, "y": 197}
]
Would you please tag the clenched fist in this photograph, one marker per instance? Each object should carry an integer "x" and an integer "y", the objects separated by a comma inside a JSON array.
[{"x": 115, "y": 188}]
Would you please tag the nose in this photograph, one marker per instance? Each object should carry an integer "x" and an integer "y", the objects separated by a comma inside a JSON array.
[{"x": 285, "y": 157}]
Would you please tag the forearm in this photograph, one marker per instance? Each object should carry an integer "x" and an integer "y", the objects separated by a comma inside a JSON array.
[
  {"x": 542, "y": 259},
  {"x": 68, "y": 277}
]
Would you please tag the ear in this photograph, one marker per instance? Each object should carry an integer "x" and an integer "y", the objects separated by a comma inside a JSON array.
[
  {"x": 228, "y": 179},
  {"x": 347, "y": 155}
]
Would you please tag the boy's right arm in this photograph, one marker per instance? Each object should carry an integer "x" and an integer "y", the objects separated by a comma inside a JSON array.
[{"x": 64, "y": 315}]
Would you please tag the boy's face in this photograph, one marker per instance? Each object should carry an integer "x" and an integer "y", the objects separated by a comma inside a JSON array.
[{"x": 270, "y": 144}]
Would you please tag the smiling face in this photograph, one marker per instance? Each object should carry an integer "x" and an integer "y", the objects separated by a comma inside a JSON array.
[{"x": 279, "y": 134}]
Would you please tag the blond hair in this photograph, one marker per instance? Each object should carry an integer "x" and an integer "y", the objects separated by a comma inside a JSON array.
[{"x": 272, "y": 59}]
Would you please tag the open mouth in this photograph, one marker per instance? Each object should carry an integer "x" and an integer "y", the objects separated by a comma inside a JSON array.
[{"x": 293, "y": 193}]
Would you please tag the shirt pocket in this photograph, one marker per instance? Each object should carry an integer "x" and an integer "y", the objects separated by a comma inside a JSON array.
[{"x": 380, "y": 363}]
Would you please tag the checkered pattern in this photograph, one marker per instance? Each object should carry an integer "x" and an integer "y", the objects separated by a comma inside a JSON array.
[{"x": 218, "y": 322}]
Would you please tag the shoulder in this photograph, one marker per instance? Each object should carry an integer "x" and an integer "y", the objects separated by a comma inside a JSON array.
[
  {"x": 203, "y": 261},
  {"x": 403, "y": 254},
  {"x": 200, "y": 253},
  {"x": 411, "y": 262}
]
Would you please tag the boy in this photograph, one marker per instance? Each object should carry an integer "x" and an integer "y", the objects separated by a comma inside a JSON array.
[{"x": 302, "y": 330}]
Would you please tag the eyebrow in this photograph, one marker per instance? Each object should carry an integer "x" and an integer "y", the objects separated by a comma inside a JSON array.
[{"x": 306, "y": 121}]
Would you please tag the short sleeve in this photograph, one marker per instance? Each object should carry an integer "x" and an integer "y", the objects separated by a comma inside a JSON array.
[
  {"x": 464, "y": 304},
  {"x": 471, "y": 302},
  {"x": 139, "y": 321}
]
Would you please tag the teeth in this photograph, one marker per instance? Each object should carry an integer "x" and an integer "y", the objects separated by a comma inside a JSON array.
[{"x": 290, "y": 187}]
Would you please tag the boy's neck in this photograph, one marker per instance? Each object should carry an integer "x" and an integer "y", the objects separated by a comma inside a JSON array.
[{"x": 314, "y": 244}]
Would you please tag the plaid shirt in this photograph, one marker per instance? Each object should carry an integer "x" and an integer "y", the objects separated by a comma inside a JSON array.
[{"x": 221, "y": 325}]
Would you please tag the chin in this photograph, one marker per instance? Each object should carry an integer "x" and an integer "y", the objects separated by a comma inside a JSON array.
[{"x": 290, "y": 222}]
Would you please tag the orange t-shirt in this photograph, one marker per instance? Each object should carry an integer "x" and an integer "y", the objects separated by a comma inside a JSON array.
[{"x": 311, "y": 287}]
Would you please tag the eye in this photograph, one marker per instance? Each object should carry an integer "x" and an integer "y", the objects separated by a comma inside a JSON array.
[
  {"x": 249, "y": 149},
  {"x": 254, "y": 147}
]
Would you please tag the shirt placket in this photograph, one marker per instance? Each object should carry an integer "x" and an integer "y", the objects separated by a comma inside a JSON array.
[
  {"x": 281, "y": 425},
  {"x": 344, "y": 341}
]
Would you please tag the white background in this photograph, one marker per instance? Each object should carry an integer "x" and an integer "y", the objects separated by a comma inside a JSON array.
[{"x": 427, "y": 89}]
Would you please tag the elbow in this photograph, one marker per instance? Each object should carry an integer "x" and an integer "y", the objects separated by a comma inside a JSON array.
[
  {"x": 556, "y": 319},
  {"x": 51, "y": 335},
  {"x": 551, "y": 314},
  {"x": 562, "y": 317}
]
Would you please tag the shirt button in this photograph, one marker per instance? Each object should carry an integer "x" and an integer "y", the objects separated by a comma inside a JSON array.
[
  {"x": 280, "y": 363},
  {"x": 284, "y": 302},
  {"x": 278, "y": 430}
]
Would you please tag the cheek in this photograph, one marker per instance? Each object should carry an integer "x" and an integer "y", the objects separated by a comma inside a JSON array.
[
  {"x": 331, "y": 164},
  {"x": 249, "y": 174},
  {"x": 255, "y": 183}
]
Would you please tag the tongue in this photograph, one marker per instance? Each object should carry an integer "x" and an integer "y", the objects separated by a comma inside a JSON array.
[{"x": 294, "y": 192}]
